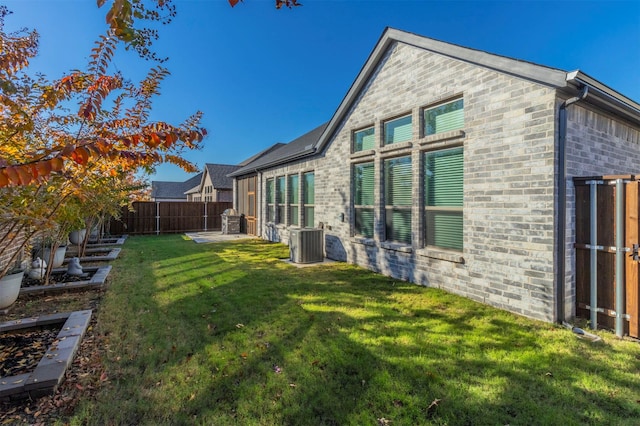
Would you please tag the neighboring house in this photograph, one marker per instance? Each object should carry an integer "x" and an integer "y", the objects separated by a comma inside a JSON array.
[
  {"x": 214, "y": 184},
  {"x": 452, "y": 168},
  {"x": 173, "y": 191}
]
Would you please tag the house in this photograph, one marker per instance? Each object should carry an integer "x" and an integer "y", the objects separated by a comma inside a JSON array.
[
  {"x": 211, "y": 185},
  {"x": 451, "y": 167},
  {"x": 173, "y": 191},
  {"x": 214, "y": 184}
]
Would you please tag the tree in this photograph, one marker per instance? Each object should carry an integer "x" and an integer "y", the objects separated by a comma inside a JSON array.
[{"x": 54, "y": 158}]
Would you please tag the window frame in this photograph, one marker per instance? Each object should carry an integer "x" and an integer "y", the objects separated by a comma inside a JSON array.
[
  {"x": 358, "y": 229},
  {"x": 386, "y": 131},
  {"x": 293, "y": 199},
  {"x": 358, "y": 147},
  {"x": 281, "y": 199},
  {"x": 452, "y": 210},
  {"x": 270, "y": 194},
  {"x": 393, "y": 209},
  {"x": 308, "y": 220},
  {"x": 426, "y": 123}
]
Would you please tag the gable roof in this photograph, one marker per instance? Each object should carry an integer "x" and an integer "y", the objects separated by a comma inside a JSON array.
[
  {"x": 569, "y": 83},
  {"x": 297, "y": 148},
  {"x": 174, "y": 190},
  {"x": 260, "y": 154},
  {"x": 218, "y": 173}
]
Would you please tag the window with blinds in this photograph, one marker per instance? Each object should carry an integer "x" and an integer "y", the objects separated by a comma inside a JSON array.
[
  {"x": 398, "y": 199},
  {"x": 308, "y": 199},
  {"x": 271, "y": 200},
  {"x": 444, "y": 118},
  {"x": 280, "y": 199},
  {"x": 294, "y": 208},
  {"x": 364, "y": 139},
  {"x": 398, "y": 130},
  {"x": 363, "y": 199},
  {"x": 443, "y": 186}
]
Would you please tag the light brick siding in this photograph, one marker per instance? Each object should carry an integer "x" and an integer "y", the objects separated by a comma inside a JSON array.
[
  {"x": 597, "y": 144},
  {"x": 10, "y": 243},
  {"x": 510, "y": 156}
]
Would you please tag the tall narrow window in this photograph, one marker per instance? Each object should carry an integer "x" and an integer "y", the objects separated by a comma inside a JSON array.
[
  {"x": 444, "y": 118},
  {"x": 398, "y": 199},
  {"x": 309, "y": 199},
  {"x": 364, "y": 139},
  {"x": 443, "y": 186},
  {"x": 398, "y": 130},
  {"x": 271, "y": 200},
  {"x": 280, "y": 199},
  {"x": 294, "y": 208},
  {"x": 363, "y": 199}
]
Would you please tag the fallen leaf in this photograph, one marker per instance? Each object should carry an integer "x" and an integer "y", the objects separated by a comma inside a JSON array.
[
  {"x": 434, "y": 404},
  {"x": 239, "y": 325}
]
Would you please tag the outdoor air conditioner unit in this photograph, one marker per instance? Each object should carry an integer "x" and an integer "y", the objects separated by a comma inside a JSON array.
[{"x": 306, "y": 245}]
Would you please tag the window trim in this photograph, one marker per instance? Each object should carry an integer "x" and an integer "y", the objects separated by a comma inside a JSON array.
[
  {"x": 390, "y": 120},
  {"x": 390, "y": 208},
  {"x": 357, "y": 207},
  {"x": 354, "y": 138}
]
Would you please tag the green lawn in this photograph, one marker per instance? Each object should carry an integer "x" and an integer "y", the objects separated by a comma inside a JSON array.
[{"x": 227, "y": 333}]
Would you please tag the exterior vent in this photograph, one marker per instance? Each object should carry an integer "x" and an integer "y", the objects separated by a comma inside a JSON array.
[{"x": 306, "y": 245}]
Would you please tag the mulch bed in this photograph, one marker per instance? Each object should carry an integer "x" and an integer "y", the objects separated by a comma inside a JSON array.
[
  {"x": 21, "y": 351},
  {"x": 55, "y": 278}
]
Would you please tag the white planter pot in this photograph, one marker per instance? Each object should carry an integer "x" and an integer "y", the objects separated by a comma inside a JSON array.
[
  {"x": 10, "y": 289},
  {"x": 77, "y": 237},
  {"x": 58, "y": 258}
]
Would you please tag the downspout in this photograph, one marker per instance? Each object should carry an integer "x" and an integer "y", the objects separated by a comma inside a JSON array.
[{"x": 562, "y": 201}]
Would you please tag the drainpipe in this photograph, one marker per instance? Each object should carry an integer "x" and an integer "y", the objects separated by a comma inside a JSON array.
[{"x": 562, "y": 200}]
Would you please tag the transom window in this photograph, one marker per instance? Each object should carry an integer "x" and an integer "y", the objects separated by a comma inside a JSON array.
[
  {"x": 364, "y": 139},
  {"x": 398, "y": 199},
  {"x": 443, "y": 186},
  {"x": 444, "y": 118},
  {"x": 398, "y": 130},
  {"x": 363, "y": 199}
]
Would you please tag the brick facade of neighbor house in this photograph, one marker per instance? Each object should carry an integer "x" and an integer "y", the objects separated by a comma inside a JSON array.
[{"x": 510, "y": 166}]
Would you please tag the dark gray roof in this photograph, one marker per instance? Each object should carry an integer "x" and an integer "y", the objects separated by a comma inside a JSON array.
[
  {"x": 174, "y": 190},
  {"x": 298, "y": 147},
  {"x": 260, "y": 154},
  {"x": 218, "y": 175}
]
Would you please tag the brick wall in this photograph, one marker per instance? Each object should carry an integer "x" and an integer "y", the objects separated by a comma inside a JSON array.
[{"x": 8, "y": 249}]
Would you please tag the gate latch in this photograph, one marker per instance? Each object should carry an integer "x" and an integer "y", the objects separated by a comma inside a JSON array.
[{"x": 634, "y": 252}]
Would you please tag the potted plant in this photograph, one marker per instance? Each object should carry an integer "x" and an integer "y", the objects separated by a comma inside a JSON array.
[{"x": 10, "y": 285}]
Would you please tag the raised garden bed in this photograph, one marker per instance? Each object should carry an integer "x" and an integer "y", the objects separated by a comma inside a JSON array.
[
  {"x": 96, "y": 254},
  {"x": 96, "y": 277},
  {"x": 50, "y": 370},
  {"x": 108, "y": 241}
]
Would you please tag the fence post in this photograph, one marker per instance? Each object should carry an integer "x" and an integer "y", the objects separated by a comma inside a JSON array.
[
  {"x": 619, "y": 257},
  {"x": 157, "y": 218},
  {"x": 593, "y": 264},
  {"x": 205, "y": 216}
]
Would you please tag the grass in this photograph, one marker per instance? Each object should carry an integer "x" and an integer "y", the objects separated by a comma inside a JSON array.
[{"x": 227, "y": 333}]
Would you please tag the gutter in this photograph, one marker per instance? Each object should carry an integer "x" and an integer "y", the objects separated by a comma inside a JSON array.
[
  {"x": 310, "y": 150},
  {"x": 562, "y": 201}
]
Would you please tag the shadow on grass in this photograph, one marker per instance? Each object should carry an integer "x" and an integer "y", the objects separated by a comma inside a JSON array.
[{"x": 227, "y": 334}]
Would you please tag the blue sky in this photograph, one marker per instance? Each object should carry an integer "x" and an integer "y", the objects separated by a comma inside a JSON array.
[{"x": 262, "y": 76}]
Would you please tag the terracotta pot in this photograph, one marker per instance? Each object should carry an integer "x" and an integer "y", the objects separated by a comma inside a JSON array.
[
  {"x": 77, "y": 237},
  {"x": 10, "y": 289}
]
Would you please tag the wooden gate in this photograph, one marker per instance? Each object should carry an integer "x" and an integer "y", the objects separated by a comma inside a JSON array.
[{"x": 606, "y": 205}]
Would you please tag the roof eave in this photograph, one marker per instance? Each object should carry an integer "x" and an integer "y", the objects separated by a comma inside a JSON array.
[
  {"x": 605, "y": 97},
  {"x": 298, "y": 155}
]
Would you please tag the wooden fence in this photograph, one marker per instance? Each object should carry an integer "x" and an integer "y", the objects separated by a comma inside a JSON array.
[
  {"x": 165, "y": 217},
  {"x": 607, "y": 262}
]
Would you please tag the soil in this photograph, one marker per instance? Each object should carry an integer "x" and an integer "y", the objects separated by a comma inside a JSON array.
[
  {"x": 55, "y": 278},
  {"x": 83, "y": 378}
]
